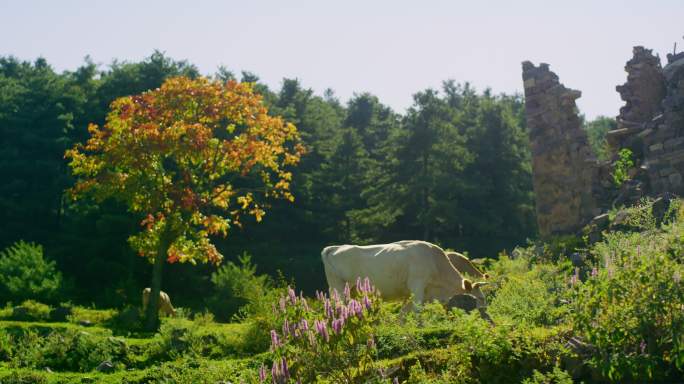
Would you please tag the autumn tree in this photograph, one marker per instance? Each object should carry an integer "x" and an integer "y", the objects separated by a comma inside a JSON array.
[{"x": 193, "y": 157}]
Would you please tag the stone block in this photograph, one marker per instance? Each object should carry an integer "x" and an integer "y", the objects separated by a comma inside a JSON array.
[
  {"x": 666, "y": 171},
  {"x": 672, "y": 143},
  {"x": 675, "y": 179},
  {"x": 656, "y": 147}
]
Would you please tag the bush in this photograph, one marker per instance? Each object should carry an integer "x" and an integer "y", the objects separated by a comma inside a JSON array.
[
  {"x": 331, "y": 339},
  {"x": 631, "y": 308},
  {"x": 25, "y": 274},
  {"x": 31, "y": 310},
  {"x": 238, "y": 290},
  {"x": 557, "y": 376},
  {"x": 64, "y": 349},
  {"x": 200, "y": 338},
  {"x": 526, "y": 292}
]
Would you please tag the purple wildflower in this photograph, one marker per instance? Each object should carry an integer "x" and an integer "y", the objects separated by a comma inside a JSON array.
[
  {"x": 275, "y": 343},
  {"x": 262, "y": 373},
  {"x": 275, "y": 371},
  {"x": 328, "y": 309},
  {"x": 283, "y": 304},
  {"x": 322, "y": 329},
  {"x": 337, "y": 326},
  {"x": 286, "y": 328},
  {"x": 335, "y": 295},
  {"x": 304, "y": 325},
  {"x": 292, "y": 294},
  {"x": 367, "y": 303},
  {"x": 355, "y": 308},
  {"x": 642, "y": 347},
  {"x": 594, "y": 272},
  {"x": 359, "y": 287},
  {"x": 305, "y": 304},
  {"x": 575, "y": 277},
  {"x": 367, "y": 286},
  {"x": 347, "y": 291},
  {"x": 342, "y": 311},
  {"x": 395, "y": 381},
  {"x": 284, "y": 370}
]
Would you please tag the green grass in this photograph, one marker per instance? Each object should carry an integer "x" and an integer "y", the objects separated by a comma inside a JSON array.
[{"x": 532, "y": 303}]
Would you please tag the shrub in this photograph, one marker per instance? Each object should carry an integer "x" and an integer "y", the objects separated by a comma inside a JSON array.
[
  {"x": 331, "y": 339},
  {"x": 557, "y": 376},
  {"x": 238, "y": 290},
  {"x": 197, "y": 339},
  {"x": 64, "y": 349},
  {"x": 31, "y": 310},
  {"x": 622, "y": 165},
  {"x": 25, "y": 274},
  {"x": 526, "y": 292},
  {"x": 17, "y": 377},
  {"x": 631, "y": 308},
  {"x": 127, "y": 319}
]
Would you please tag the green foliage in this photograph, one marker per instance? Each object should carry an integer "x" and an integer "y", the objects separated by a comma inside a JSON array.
[
  {"x": 361, "y": 180},
  {"x": 239, "y": 290},
  {"x": 31, "y": 310},
  {"x": 92, "y": 315},
  {"x": 557, "y": 376},
  {"x": 528, "y": 293},
  {"x": 596, "y": 133},
  {"x": 65, "y": 349},
  {"x": 622, "y": 165},
  {"x": 25, "y": 274},
  {"x": 631, "y": 308}
]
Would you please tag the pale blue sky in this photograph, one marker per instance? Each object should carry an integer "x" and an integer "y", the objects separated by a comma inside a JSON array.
[{"x": 389, "y": 48}]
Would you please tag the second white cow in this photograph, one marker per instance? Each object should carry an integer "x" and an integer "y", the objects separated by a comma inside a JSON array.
[{"x": 399, "y": 270}]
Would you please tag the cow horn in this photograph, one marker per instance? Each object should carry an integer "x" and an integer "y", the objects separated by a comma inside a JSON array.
[
  {"x": 467, "y": 285},
  {"x": 480, "y": 284}
]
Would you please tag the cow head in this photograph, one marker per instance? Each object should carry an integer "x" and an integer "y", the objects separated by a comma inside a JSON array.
[{"x": 474, "y": 289}]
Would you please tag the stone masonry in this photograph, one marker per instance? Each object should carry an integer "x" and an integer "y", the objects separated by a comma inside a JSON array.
[
  {"x": 570, "y": 185},
  {"x": 642, "y": 94},
  {"x": 651, "y": 123},
  {"x": 564, "y": 167}
]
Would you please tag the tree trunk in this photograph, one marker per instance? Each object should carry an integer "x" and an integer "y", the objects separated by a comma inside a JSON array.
[{"x": 152, "y": 314}]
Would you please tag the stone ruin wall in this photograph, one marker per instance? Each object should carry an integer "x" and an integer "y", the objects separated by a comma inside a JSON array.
[
  {"x": 562, "y": 161},
  {"x": 571, "y": 186}
]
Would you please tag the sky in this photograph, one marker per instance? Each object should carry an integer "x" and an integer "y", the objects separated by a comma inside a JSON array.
[{"x": 391, "y": 49}]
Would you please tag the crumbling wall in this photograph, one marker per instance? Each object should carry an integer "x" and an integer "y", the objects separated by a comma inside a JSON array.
[
  {"x": 642, "y": 93},
  {"x": 564, "y": 167},
  {"x": 664, "y": 158},
  {"x": 571, "y": 186},
  {"x": 651, "y": 123}
]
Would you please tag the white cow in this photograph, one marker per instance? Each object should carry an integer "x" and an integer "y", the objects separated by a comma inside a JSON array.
[
  {"x": 164, "y": 304},
  {"x": 399, "y": 270}
]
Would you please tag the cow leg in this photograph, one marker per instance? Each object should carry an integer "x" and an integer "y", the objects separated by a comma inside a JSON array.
[
  {"x": 334, "y": 281},
  {"x": 417, "y": 288}
]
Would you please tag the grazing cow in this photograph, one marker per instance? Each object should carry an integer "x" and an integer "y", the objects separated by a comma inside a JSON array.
[
  {"x": 164, "y": 302},
  {"x": 399, "y": 270}
]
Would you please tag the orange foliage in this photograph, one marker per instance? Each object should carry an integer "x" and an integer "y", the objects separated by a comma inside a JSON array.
[{"x": 192, "y": 156}]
